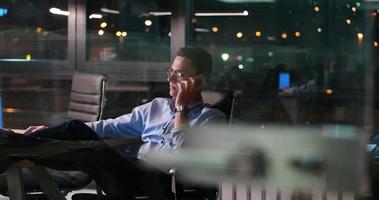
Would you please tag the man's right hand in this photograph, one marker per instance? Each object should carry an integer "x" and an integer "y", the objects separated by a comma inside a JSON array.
[
  {"x": 189, "y": 91},
  {"x": 32, "y": 129}
]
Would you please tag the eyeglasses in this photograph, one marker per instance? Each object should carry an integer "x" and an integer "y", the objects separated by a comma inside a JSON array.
[{"x": 179, "y": 74}]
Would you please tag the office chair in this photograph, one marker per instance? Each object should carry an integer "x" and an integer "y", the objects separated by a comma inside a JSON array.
[
  {"x": 86, "y": 103},
  {"x": 224, "y": 100}
]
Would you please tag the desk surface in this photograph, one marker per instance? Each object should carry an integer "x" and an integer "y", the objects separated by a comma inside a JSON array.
[{"x": 20, "y": 131}]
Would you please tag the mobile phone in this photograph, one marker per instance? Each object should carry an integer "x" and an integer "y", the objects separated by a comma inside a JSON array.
[{"x": 284, "y": 80}]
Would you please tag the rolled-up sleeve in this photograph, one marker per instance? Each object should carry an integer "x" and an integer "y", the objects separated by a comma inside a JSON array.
[{"x": 178, "y": 136}]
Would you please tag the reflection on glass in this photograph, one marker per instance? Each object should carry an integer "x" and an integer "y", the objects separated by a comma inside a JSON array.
[
  {"x": 128, "y": 30},
  {"x": 33, "y": 30},
  {"x": 318, "y": 44}
]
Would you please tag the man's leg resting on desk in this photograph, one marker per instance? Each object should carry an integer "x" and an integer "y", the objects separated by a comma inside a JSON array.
[
  {"x": 120, "y": 178},
  {"x": 69, "y": 130}
]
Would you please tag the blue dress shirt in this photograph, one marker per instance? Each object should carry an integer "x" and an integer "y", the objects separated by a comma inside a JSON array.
[{"x": 153, "y": 122}]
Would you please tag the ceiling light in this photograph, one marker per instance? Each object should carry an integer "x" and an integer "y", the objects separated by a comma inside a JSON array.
[
  {"x": 247, "y": 1},
  {"x": 239, "y": 34},
  {"x": 199, "y": 14},
  {"x": 202, "y": 30},
  {"x": 148, "y": 22},
  {"x": 225, "y": 56},
  {"x": 103, "y": 24},
  {"x": 58, "y": 11},
  {"x": 221, "y": 14},
  {"x": 106, "y": 10},
  {"x": 157, "y": 14},
  {"x": 95, "y": 16},
  {"x": 258, "y": 33}
]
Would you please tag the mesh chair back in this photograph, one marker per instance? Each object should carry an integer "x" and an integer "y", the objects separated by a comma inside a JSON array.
[
  {"x": 87, "y": 97},
  {"x": 221, "y": 99}
]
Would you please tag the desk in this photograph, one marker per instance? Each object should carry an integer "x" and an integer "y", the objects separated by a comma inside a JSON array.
[
  {"x": 40, "y": 174},
  {"x": 19, "y": 131},
  {"x": 16, "y": 185},
  {"x": 15, "y": 180}
]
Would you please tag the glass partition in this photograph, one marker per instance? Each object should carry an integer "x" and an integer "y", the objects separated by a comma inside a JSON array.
[
  {"x": 292, "y": 61},
  {"x": 304, "y": 62}
]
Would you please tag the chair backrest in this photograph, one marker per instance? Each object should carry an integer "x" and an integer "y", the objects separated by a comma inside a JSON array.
[
  {"x": 221, "y": 99},
  {"x": 87, "y": 97}
]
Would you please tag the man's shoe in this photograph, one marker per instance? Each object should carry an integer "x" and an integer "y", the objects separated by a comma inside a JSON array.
[
  {"x": 10, "y": 138},
  {"x": 15, "y": 147}
]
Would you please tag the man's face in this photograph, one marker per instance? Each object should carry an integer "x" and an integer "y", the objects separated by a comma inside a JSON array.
[{"x": 180, "y": 69}]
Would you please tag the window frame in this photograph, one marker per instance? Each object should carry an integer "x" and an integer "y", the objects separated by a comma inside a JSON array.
[{"x": 142, "y": 71}]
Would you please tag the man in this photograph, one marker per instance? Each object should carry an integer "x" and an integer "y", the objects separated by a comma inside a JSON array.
[{"x": 159, "y": 124}]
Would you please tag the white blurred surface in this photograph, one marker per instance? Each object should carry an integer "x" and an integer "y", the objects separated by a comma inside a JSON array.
[{"x": 328, "y": 157}]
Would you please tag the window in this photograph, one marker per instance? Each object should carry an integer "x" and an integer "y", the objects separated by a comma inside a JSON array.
[
  {"x": 319, "y": 45},
  {"x": 128, "y": 30},
  {"x": 33, "y": 30}
]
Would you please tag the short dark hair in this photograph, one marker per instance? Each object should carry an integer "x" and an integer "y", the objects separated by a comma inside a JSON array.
[{"x": 201, "y": 59}]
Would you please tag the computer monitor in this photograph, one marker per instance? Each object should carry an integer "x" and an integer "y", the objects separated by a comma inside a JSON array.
[{"x": 284, "y": 80}]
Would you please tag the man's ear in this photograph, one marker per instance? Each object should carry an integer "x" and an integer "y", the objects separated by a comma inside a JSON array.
[{"x": 202, "y": 81}]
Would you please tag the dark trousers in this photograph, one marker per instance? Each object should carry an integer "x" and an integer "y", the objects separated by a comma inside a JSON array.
[{"x": 118, "y": 177}]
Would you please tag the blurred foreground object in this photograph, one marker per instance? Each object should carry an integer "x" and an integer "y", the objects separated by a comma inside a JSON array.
[{"x": 330, "y": 157}]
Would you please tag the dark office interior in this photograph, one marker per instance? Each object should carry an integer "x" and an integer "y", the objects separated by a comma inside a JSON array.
[{"x": 289, "y": 63}]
